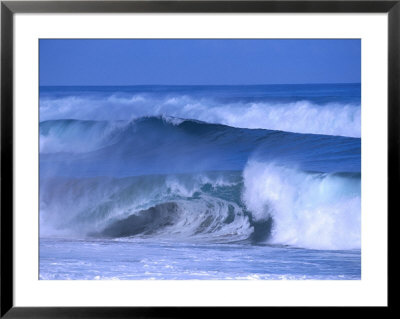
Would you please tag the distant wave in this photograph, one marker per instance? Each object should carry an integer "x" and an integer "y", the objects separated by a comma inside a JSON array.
[
  {"x": 301, "y": 116},
  {"x": 158, "y": 145}
]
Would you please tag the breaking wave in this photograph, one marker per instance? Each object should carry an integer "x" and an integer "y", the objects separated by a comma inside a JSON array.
[
  {"x": 299, "y": 116},
  {"x": 313, "y": 210},
  {"x": 268, "y": 204},
  {"x": 183, "y": 207}
]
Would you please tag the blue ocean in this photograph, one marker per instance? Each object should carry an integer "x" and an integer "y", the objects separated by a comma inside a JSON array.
[{"x": 200, "y": 182}]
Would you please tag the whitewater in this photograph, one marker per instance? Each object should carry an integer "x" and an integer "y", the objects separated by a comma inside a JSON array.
[{"x": 200, "y": 182}]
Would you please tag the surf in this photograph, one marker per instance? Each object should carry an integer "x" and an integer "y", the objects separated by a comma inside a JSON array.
[
  {"x": 202, "y": 165},
  {"x": 311, "y": 210},
  {"x": 191, "y": 207},
  {"x": 329, "y": 110},
  {"x": 265, "y": 204}
]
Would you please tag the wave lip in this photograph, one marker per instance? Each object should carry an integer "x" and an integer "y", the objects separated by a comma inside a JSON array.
[{"x": 193, "y": 207}]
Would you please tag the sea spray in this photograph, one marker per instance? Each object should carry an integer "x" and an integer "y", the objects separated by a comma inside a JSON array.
[
  {"x": 309, "y": 210},
  {"x": 340, "y": 115}
]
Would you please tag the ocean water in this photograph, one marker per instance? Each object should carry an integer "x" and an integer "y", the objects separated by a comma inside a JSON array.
[{"x": 200, "y": 182}]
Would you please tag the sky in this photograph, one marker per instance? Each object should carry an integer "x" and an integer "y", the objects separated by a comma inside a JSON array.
[{"x": 198, "y": 62}]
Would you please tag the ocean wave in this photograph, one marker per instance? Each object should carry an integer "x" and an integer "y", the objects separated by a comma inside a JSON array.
[
  {"x": 158, "y": 145},
  {"x": 269, "y": 204},
  {"x": 201, "y": 207},
  {"x": 320, "y": 211},
  {"x": 202, "y": 167},
  {"x": 299, "y": 116}
]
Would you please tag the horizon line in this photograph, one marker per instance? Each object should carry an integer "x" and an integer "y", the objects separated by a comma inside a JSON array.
[{"x": 130, "y": 85}]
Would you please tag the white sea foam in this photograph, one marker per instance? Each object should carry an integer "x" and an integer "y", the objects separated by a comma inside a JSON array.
[
  {"x": 308, "y": 210},
  {"x": 172, "y": 120},
  {"x": 300, "y": 116}
]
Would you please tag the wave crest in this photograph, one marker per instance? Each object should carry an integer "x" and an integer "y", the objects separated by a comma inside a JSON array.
[
  {"x": 302, "y": 116},
  {"x": 310, "y": 210}
]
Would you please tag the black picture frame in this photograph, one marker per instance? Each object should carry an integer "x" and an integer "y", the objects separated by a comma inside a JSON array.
[{"x": 9, "y": 8}]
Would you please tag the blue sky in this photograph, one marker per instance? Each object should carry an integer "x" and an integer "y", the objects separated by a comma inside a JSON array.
[{"x": 202, "y": 62}]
